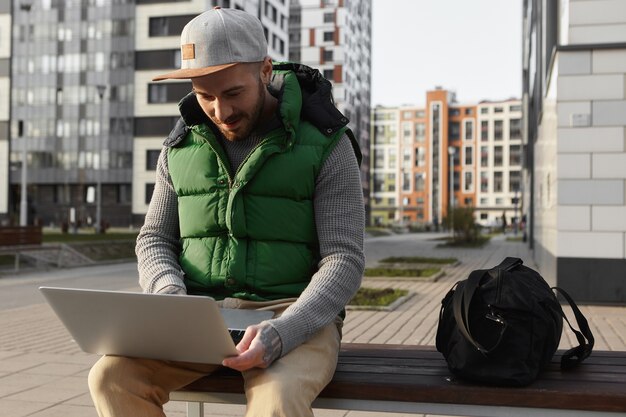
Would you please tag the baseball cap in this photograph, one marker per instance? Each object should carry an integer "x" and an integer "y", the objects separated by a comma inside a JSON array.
[{"x": 218, "y": 39}]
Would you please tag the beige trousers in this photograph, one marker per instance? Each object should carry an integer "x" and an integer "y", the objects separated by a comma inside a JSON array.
[{"x": 123, "y": 387}]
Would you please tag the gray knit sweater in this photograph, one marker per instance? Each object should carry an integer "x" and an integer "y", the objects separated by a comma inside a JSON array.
[{"x": 339, "y": 219}]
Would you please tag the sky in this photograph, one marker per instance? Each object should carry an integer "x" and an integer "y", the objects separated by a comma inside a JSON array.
[{"x": 472, "y": 47}]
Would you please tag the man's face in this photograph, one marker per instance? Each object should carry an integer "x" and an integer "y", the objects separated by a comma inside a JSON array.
[{"x": 234, "y": 98}]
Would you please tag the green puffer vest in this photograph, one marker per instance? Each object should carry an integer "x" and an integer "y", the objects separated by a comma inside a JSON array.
[{"x": 250, "y": 234}]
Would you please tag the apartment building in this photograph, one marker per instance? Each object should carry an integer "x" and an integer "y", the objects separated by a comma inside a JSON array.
[
  {"x": 499, "y": 161},
  {"x": 335, "y": 37},
  {"x": 423, "y": 160},
  {"x": 574, "y": 63},
  {"x": 5, "y": 106},
  {"x": 157, "y": 42},
  {"x": 71, "y": 107}
]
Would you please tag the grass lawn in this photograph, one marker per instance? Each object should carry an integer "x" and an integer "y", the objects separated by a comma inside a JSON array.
[
  {"x": 376, "y": 297},
  {"x": 417, "y": 260},
  {"x": 478, "y": 243},
  {"x": 86, "y": 237},
  {"x": 401, "y": 272}
]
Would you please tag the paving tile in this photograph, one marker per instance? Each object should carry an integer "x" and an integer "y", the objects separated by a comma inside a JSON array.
[
  {"x": 9, "y": 408},
  {"x": 48, "y": 393},
  {"x": 57, "y": 369},
  {"x": 66, "y": 410},
  {"x": 84, "y": 400}
]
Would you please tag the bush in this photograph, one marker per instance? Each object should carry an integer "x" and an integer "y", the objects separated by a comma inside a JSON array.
[{"x": 465, "y": 228}]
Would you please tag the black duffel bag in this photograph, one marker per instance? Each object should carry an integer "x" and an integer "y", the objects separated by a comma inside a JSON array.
[{"x": 503, "y": 325}]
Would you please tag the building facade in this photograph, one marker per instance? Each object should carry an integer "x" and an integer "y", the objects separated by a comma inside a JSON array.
[
  {"x": 446, "y": 154},
  {"x": 499, "y": 164},
  {"x": 5, "y": 107},
  {"x": 575, "y": 122},
  {"x": 71, "y": 107},
  {"x": 335, "y": 37},
  {"x": 423, "y": 155}
]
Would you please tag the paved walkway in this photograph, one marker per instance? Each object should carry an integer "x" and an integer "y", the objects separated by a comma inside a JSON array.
[{"x": 44, "y": 374}]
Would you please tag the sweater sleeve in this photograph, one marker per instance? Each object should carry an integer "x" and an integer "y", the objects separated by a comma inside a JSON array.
[
  {"x": 158, "y": 243},
  {"x": 340, "y": 222}
]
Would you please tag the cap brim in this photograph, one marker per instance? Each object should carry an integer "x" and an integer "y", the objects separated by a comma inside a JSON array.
[{"x": 192, "y": 72}]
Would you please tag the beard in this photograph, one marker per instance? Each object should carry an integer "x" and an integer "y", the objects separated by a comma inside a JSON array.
[{"x": 248, "y": 122}]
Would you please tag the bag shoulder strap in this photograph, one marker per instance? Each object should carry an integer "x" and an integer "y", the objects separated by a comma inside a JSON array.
[
  {"x": 585, "y": 338},
  {"x": 462, "y": 299}
]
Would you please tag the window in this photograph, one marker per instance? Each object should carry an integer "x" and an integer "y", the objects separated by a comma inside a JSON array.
[
  {"x": 515, "y": 129},
  {"x": 484, "y": 110},
  {"x": 420, "y": 181},
  {"x": 484, "y": 181},
  {"x": 484, "y": 130},
  {"x": 152, "y": 156},
  {"x": 420, "y": 132},
  {"x": 469, "y": 155},
  {"x": 515, "y": 107},
  {"x": 498, "y": 109},
  {"x": 406, "y": 181},
  {"x": 469, "y": 112},
  {"x": 515, "y": 181},
  {"x": 167, "y": 92},
  {"x": 515, "y": 155},
  {"x": 148, "y": 193},
  {"x": 329, "y": 17},
  {"x": 468, "y": 179},
  {"x": 154, "y": 126},
  {"x": 407, "y": 133},
  {"x": 328, "y": 55},
  {"x": 168, "y": 25},
  {"x": 329, "y": 36},
  {"x": 454, "y": 131},
  {"x": 468, "y": 201},
  {"x": 329, "y": 74},
  {"x": 497, "y": 182},
  {"x": 159, "y": 59},
  {"x": 484, "y": 156},
  {"x": 406, "y": 158},
  {"x": 454, "y": 112},
  {"x": 497, "y": 129},
  {"x": 420, "y": 157},
  {"x": 497, "y": 156},
  {"x": 469, "y": 130},
  {"x": 379, "y": 158}
]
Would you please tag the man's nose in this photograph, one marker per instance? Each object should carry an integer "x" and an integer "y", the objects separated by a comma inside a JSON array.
[{"x": 222, "y": 110}]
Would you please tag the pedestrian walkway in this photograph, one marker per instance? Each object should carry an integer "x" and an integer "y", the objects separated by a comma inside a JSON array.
[{"x": 44, "y": 374}]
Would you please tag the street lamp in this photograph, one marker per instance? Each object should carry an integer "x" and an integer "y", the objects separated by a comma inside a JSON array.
[
  {"x": 101, "y": 89},
  {"x": 25, "y": 6},
  {"x": 451, "y": 152}
]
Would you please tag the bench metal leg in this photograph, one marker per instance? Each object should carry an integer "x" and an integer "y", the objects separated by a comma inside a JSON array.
[{"x": 195, "y": 409}]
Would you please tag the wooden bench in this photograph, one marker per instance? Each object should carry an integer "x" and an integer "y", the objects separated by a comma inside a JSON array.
[
  {"x": 15, "y": 239},
  {"x": 415, "y": 379}
]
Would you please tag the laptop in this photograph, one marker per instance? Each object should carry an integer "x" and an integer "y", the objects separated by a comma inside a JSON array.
[{"x": 183, "y": 328}]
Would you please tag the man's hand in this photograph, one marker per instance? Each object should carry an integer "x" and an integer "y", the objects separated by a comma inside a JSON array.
[{"x": 259, "y": 347}]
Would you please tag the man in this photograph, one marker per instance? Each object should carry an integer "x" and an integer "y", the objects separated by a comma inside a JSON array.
[{"x": 257, "y": 203}]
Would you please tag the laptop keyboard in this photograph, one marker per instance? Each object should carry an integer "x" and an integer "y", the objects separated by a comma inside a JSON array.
[{"x": 236, "y": 335}]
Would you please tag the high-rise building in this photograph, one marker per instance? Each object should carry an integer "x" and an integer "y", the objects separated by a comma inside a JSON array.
[
  {"x": 499, "y": 161},
  {"x": 77, "y": 135},
  {"x": 574, "y": 67},
  {"x": 5, "y": 106},
  {"x": 157, "y": 43},
  {"x": 421, "y": 156},
  {"x": 423, "y": 161},
  {"x": 335, "y": 37}
]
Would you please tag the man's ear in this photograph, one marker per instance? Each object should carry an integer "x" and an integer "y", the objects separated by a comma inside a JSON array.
[{"x": 266, "y": 70}]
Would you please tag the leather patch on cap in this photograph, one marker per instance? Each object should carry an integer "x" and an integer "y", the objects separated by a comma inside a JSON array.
[{"x": 189, "y": 51}]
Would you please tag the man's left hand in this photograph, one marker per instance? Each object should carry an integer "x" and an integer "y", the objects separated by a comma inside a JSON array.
[{"x": 258, "y": 348}]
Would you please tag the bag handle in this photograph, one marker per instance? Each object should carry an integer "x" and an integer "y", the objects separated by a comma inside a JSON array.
[
  {"x": 579, "y": 353},
  {"x": 462, "y": 299}
]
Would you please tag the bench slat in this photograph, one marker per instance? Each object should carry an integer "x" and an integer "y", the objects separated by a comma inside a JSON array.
[{"x": 420, "y": 374}]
